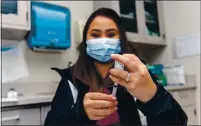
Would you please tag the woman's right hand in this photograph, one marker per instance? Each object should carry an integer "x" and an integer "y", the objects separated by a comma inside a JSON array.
[{"x": 99, "y": 105}]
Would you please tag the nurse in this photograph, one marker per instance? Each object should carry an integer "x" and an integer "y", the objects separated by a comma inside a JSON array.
[{"x": 93, "y": 76}]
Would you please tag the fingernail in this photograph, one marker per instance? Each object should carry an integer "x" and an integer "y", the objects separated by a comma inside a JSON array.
[
  {"x": 116, "y": 103},
  {"x": 113, "y": 55},
  {"x": 111, "y": 70},
  {"x": 114, "y": 98}
]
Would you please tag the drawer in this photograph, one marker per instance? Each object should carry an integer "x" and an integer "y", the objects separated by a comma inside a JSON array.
[
  {"x": 184, "y": 97},
  {"x": 44, "y": 112},
  {"x": 21, "y": 117},
  {"x": 192, "y": 114}
]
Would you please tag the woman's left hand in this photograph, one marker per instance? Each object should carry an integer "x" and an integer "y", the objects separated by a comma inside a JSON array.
[{"x": 140, "y": 83}]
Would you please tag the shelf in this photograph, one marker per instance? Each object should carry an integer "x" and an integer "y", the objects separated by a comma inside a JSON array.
[
  {"x": 146, "y": 47},
  {"x": 128, "y": 16},
  {"x": 180, "y": 87},
  {"x": 143, "y": 41},
  {"x": 150, "y": 22},
  {"x": 149, "y": 1},
  {"x": 32, "y": 99}
]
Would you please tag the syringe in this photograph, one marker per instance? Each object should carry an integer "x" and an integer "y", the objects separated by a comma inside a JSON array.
[{"x": 117, "y": 65}]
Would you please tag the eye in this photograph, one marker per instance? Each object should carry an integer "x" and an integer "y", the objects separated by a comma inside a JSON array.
[
  {"x": 111, "y": 34},
  {"x": 95, "y": 35}
]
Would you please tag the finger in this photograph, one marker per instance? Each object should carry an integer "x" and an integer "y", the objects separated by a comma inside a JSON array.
[
  {"x": 141, "y": 66},
  {"x": 103, "y": 112},
  {"x": 120, "y": 81},
  {"x": 134, "y": 58},
  {"x": 102, "y": 104},
  {"x": 128, "y": 62},
  {"x": 100, "y": 96},
  {"x": 119, "y": 73}
]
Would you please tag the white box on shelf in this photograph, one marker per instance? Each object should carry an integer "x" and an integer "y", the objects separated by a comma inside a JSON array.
[{"x": 175, "y": 75}]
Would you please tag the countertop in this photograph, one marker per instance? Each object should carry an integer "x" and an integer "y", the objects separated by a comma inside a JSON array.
[
  {"x": 180, "y": 87},
  {"x": 26, "y": 100},
  {"x": 47, "y": 98}
]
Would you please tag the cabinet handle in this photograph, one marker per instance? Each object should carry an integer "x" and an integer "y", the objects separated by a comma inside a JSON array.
[
  {"x": 163, "y": 36},
  {"x": 17, "y": 117},
  {"x": 27, "y": 16},
  {"x": 195, "y": 112}
]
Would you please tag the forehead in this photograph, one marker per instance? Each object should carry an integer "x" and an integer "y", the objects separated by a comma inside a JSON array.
[{"x": 102, "y": 23}]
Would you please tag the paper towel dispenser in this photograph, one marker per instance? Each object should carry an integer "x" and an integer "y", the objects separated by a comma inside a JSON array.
[{"x": 50, "y": 26}]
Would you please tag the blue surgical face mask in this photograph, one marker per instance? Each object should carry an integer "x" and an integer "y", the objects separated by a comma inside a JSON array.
[{"x": 102, "y": 48}]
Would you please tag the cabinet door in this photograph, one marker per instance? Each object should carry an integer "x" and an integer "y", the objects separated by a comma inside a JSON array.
[
  {"x": 192, "y": 115},
  {"x": 127, "y": 9},
  {"x": 184, "y": 97},
  {"x": 130, "y": 16},
  {"x": 15, "y": 13},
  {"x": 129, "y": 12},
  {"x": 21, "y": 117},
  {"x": 44, "y": 111},
  {"x": 153, "y": 27},
  {"x": 100, "y": 4}
]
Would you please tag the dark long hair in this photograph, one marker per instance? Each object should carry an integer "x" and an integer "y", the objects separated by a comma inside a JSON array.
[{"x": 84, "y": 64}]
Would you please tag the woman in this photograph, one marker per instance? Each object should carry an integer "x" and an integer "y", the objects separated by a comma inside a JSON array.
[{"x": 93, "y": 75}]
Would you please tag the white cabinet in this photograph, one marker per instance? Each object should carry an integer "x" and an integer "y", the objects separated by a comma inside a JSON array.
[
  {"x": 25, "y": 115},
  {"x": 29, "y": 116},
  {"x": 44, "y": 111},
  {"x": 131, "y": 18},
  {"x": 153, "y": 23},
  {"x": 186, "y": 99},
  {"x": 192, "y": 114},
  {"x": 15, "y": 14},
  {"x": 143, "y": 20}
]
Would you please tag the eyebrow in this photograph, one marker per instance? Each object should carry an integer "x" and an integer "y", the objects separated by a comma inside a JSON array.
[
  {"x": 108, "y": 30},
  {"x": 111, "y": 29},
  {"x": 96, "y": 30}
]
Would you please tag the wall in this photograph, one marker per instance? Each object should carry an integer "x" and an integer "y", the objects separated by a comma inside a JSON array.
[
  {"x": 79, "y": 10},
  {"x": 182, "y": 18},
  {"x": 39, "y": 64}
]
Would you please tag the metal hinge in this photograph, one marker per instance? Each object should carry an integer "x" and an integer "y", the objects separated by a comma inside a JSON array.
[
  {"x": 27, "y": 16},
  {"x": 195, "y": 112},
  {"x": 163, "y": 36}
]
